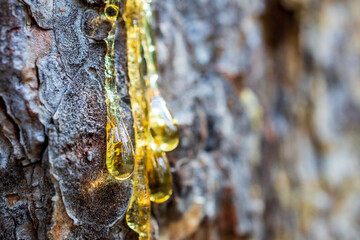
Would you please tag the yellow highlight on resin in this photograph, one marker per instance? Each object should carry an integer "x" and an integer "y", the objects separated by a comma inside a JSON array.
[
  {"x": 162, "y": 125},
  {"x": 153, "y": 123},
  {"x": 111, "y": 11},
  {"x": 159, "y": 175},
  {"x": 138, "y": 213},
  {"x": 119, "y": 149}
]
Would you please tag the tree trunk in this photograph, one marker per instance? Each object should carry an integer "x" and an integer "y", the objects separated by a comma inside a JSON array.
[{"x": 265, "y": 93}]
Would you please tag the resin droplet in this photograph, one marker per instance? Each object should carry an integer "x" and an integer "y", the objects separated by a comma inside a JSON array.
[
  {"x": 138, "y": 213},
  {"x": 111, "y": 11},
  {"x": 159, "y": 174},
  {"x": 119, "y": 149},
  {"x": 163, "y": 127}
]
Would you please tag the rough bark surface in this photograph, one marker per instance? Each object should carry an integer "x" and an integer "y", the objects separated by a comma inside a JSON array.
[{"x": 265, "y": 93}]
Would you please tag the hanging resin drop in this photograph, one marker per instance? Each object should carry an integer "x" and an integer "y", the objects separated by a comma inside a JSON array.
[
  {"x": 159, "y": 175},
  {"x": 162, "y": 125},
  {"x": 138, "y": 213},
  {"x": 119, "y": 149}
]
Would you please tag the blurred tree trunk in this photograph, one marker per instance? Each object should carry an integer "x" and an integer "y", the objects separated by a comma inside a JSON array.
[{"x": 265, "y": 93}]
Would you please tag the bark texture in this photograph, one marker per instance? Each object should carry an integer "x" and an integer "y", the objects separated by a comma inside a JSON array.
[{"x": 265, "y": 92}]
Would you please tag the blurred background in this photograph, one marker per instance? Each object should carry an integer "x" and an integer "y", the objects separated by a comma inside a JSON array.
[{"x": 267, "y": 95}]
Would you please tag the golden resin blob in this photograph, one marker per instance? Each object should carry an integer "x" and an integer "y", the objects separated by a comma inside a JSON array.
[
  {"x": 153, "y": 122},
  {"x": 119, "y": 149},
  {"x": 162, "y": 125},
  {"x": 159, "y": 175},
  {"x": 138, "y": 213}
]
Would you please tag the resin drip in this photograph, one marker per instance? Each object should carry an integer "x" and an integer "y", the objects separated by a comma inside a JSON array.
[
  {"x": 163, "y": 130},
  {"x": 159, "y": 174},
  {"x": 119, "y": 149},
  {"x": 162, "y": 125},
  {"x": 138, "y": 213}
]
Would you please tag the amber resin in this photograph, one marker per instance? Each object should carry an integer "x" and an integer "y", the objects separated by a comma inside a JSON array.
[
  {"x": 138, "y": 213},
  {"x": 119, "y": 149},
  {"x": 156, "y": 130},
  {"x": 159, "y": 175},
  {"x": 163, "y": 129},
  {"x": 162, "y": 125}
]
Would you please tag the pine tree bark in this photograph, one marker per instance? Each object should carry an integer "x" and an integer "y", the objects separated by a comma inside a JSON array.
[
  {"x": 54, "y": 183},
  {"x": 257, "y": 87}
]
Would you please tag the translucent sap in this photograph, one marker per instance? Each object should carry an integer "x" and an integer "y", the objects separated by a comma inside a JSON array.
[
  {"x": 138, "y": 213},
  {"x": 163, "y": 127},
  {"x": 119, "y": 150},
  {"x": 159, "y": 176}
]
